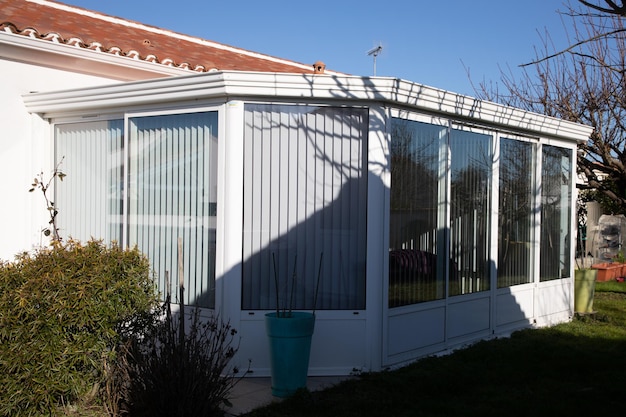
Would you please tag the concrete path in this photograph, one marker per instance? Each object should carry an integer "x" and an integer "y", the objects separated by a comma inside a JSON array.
[{"x": 254, "y": 392}]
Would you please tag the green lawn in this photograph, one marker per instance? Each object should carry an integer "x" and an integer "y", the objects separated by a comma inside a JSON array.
[{"x": 573, "y": 369}]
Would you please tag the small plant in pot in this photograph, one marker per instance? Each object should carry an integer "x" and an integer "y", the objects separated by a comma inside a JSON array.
[
  {"x": 620, "y": 259},
  {"x": 290, "y": 333}
]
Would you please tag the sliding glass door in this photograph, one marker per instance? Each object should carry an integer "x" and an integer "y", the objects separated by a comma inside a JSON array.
[
  {"x": 172, "y": 198},
  {"x": 439, "y": 212},
  {"x": 154, "y": 188}
]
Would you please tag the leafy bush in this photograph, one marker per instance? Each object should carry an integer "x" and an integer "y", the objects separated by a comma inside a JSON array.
[
  {"x": 176, "y": 370},
  {"x": 63, "y": 311}
]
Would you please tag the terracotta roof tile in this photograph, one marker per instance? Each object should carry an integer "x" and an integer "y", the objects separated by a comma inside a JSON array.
[{"x": 57, "y": 22}]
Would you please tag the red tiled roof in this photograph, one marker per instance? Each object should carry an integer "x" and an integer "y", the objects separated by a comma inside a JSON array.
[{"x": 57, "y": 22}]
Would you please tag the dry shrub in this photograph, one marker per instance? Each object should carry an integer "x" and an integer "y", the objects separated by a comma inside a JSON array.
[{"x": 179, "y": 368}]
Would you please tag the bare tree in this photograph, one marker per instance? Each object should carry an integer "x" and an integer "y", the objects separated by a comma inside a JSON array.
[{"x": 585, "y": 83}]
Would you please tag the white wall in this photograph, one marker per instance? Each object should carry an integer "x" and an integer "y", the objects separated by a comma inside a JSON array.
[{"x": 24, "y": 151}]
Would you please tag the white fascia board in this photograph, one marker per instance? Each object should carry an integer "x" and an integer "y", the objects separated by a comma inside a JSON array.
[
  {"x": 472, "y": 109},
  {"x": 76, "y": 59},
  {"x": 307, "y": 87},
  {"x": 405, "y": 94},
  {"x": 126, "y": 95}
]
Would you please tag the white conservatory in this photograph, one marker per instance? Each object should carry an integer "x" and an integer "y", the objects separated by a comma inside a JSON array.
[{"x": 432, "y": 219}]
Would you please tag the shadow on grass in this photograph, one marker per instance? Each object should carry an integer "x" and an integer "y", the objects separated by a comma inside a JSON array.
[{"x": 568, "y": 370}]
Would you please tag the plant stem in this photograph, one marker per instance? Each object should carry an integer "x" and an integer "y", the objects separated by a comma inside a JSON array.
[
  {"x": 317, "y": 284},
  {"x": 293, "y": 283},
  {"x": 276, "y": 283},
  {"x": 181, "y": 289}
]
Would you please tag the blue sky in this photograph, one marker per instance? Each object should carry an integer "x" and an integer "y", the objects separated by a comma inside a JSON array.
[{"x": 426, "y": 41}]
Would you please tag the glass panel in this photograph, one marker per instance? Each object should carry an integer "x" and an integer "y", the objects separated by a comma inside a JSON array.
[
  {"x": 413, "y": 273},
  {"x": 556, "y": 208},
  {"x": 90, "y": 199},
  {"x": 470, "y": 172},
  {"x": 515, "y": 213},
  {"x": 172, "y": 188},
  {"x": 305, "y": 193}
]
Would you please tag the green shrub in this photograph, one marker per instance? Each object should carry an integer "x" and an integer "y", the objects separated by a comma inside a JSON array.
[{"x": 63, "y": 311}]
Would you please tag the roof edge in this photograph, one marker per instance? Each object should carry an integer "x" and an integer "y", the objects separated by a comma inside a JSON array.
[{"x": 240, "y": 84}]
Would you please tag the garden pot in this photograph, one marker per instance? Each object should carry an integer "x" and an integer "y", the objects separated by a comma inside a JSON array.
[
  {"x": 290, "y": 349},
  {"x": 584, "y": 289},
  {"x": 607, "y": 271}
]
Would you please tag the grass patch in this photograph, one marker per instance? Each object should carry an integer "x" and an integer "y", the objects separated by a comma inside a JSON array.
[
  {"x": 611, "y": 286},
  {"x": 570, "y": 369}
]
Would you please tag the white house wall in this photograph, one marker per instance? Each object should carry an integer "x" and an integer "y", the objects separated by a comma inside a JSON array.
[{"x": 25, "y": 150}]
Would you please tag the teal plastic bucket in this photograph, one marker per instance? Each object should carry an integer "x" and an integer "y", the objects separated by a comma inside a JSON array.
[{"x": 290, "y": 349}]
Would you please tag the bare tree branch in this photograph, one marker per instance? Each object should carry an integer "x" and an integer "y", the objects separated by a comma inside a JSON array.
[
  {"x": 613, "y": 7},
  {"x": 585, "y": 83},
  {"x": 574, "y": 46}
]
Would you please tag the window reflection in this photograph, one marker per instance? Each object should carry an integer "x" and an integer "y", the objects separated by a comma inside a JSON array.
[
  {"x": 469, "y": 212},
  {"x": 555, "y": 213},
  {"x": 425, "y": 245},
  {"x": 515, "y": 213},
  {"x": 414, "y": 275}
]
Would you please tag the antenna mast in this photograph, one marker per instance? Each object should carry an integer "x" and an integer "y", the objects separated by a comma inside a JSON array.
[{"x": 375, "y": 52}]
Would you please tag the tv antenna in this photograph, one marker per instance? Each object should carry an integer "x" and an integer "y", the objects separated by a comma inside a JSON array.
[{"x": 375, "y": 52}]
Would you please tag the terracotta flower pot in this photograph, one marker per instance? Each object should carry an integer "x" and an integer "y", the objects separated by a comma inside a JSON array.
[{"x": 608, "y": 271}]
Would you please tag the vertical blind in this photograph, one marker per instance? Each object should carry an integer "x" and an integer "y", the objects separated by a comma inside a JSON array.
[
  {"x": 515, "y": 212},
  {"x": 90, "y": 197},
  {"x": 172, "y": 195},
  {"x": 304, "y": 206}
]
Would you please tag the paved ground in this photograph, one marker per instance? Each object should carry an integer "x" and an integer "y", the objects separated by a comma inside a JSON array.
[{"x": 251, "y": 393}]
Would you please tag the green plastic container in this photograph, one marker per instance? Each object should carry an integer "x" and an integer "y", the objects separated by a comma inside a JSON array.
[
  {"x": 290, "y": 349},
  {"x": 584, "y": 289}
]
